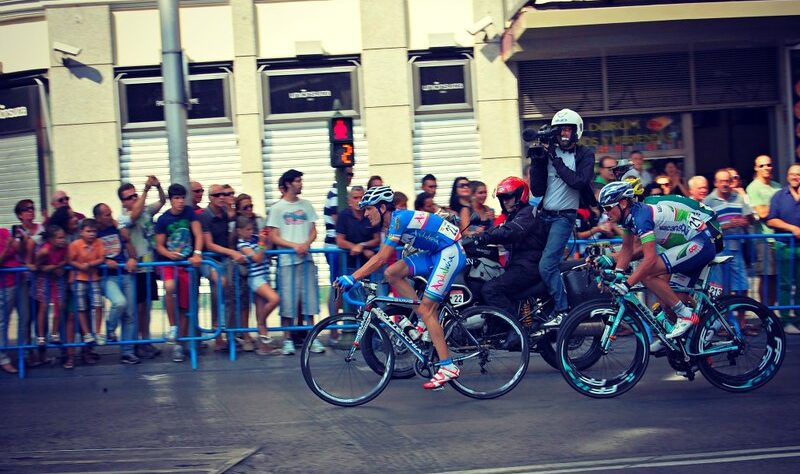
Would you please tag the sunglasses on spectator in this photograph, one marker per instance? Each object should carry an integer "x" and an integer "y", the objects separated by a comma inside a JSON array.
[
  {"x": 463, "y": 185},
  {"x": 131, "y": 197},
  {"x": 765, "y": 165},
  {"x": 63, "y": 199},
  {"x": 248, "y": 207},
  {"x": 216, "y": 195},
  {"x": 28, "y": 209},
  {"x": 735, "y": 176},
  {"x": 350, "y": 175},
  {"x": 198, "y": 190}
]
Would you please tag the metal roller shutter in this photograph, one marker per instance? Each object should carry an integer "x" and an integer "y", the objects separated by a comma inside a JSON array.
[
  {"x": 305, "y": 147},
  {"x": 446, "y": 146},
  {"x": 19, "y": 175},
  {"x": 635, "y": 83},
  {"x": 213, "y": 157}
]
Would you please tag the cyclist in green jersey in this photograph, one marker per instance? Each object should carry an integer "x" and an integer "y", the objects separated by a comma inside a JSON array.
[{"x": 685, "y": 229}]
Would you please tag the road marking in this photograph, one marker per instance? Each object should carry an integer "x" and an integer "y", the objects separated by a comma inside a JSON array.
[{"x": 713, "y": 457}]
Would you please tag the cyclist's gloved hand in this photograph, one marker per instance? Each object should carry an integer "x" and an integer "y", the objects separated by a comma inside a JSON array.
[
  {"x": 620, "y": 285},
  {"x": 345, "y": 282},
  {"x": 605, "y": 261}
]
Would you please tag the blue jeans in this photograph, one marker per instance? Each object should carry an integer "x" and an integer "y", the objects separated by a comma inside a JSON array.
[
  {"x": 559, "y": 230},
  {"x": 14, "y": 297},
  {"x": 119, "y": 290}
]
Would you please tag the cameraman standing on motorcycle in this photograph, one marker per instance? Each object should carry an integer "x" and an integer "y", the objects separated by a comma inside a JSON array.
[
  {"x": 561, "y": 172},
  {"x": 527, "y": 238}
]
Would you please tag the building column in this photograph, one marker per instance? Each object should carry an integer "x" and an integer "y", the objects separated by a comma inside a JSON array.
[
  {"x": 386, "y": 83},
  {"x": 497, "y": 98},
  {"x": 83, "y": 106},
  {"x": 247, "y": 118}
]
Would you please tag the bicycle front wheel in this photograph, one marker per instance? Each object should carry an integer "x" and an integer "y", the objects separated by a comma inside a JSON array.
[
  {"x": 613, "y": 371},
  {"x": 490, "y": 349},
  {"x": 756, "y": 338},
  {"x": 340, "y": 375}
]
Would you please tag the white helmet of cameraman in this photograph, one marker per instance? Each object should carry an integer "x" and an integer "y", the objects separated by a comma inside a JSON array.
[{"x": 568, "y": 117}]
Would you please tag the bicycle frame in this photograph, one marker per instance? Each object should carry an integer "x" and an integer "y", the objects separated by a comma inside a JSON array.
[
  {"x": 700, "y": 293},
  {"x": 370, "y": 311}
]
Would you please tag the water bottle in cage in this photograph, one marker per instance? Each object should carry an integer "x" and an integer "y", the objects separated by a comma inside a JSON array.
[{"x": 407, "y": 326}]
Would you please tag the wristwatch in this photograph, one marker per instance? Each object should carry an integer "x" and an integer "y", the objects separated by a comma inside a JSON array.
[{"x": 197, "y": 252}]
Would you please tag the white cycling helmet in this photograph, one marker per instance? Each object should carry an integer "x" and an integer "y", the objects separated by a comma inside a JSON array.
[
  {"x": 376, "y": 195},
  {"x": 568, "y": 117}
]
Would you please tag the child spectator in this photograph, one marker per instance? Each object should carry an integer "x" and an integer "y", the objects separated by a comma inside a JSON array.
[
  {"x": 257, "y": 272},
  {"x": 400, "y": 200},
  {"x": 50, "y": 260},
  {"x": 85, "y": 255}
]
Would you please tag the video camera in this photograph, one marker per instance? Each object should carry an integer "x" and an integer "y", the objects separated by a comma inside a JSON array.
[{"x": 547, "y": 135}]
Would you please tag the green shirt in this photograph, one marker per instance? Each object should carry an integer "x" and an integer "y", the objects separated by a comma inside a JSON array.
[{"x": 760, "y": 195}]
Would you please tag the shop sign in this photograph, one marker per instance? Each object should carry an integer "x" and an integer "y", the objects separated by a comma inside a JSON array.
[
  {"x": 655, "y": 133},
  {"x": 442, "y": 85},
  {"x": 144, "y": 101},
  {"x": 305, "y": 93},
  {"x": 18, "y": 109}
]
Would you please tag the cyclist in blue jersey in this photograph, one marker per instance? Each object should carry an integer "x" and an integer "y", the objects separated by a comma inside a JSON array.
[
  {"x": 684, "y": 228},
  {"x": 441, "y": 259}
]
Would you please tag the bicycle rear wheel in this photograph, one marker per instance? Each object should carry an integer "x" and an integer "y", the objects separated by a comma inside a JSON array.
[
  {"x": 761, "y": 344},
  {"x": 613, "y": 372},
  {"x": 338, "y": 377},
  {"x": 494, "y": 347}
]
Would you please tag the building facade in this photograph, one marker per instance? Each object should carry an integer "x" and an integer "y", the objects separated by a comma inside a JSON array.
[{"x": 441, "y": 87}]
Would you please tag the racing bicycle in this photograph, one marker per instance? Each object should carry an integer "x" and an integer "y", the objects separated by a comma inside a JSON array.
[
  {"x": 731, "y": 357},
  {"x": 477, "y": 341}
]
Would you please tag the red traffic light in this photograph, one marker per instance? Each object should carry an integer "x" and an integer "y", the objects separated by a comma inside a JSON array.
[
  {"x": 342, "y": 129},
  {"x": 341, "y": 140}
]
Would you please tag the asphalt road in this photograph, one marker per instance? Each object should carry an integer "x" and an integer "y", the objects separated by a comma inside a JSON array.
[{"x": 257, "y": 415}]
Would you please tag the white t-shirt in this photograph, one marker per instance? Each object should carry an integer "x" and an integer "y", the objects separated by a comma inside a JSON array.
[{"x": 294, "y": 221}]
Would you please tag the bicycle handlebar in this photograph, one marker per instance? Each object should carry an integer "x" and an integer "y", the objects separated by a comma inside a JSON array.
[{"x": 349, "y": 299}]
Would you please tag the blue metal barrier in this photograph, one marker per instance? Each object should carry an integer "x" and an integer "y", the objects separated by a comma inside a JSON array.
[
  {"x": 785, "y": 276},
  {"x": 25, "y": 282},
  {"x": 231, "y": 304}
]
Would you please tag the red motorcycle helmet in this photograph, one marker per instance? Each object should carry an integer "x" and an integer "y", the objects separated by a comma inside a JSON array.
[{"x": 512, "y": 187}]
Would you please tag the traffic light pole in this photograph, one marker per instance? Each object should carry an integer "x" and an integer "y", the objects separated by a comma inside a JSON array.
[{"x": 175, "y": 102}]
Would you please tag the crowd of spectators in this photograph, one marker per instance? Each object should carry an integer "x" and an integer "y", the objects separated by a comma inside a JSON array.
[{"x": 106, "y": 253}]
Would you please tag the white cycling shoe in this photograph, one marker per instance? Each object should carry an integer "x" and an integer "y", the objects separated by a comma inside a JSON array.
[{"x": 682, "y": 325}]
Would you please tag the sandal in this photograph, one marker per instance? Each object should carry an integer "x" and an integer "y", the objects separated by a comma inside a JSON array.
[
  {"x": 69, "y": 363},
  {"x": 265, "y": 338}
]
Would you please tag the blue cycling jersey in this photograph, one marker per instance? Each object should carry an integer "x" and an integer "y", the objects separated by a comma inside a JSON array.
[{"x": 421, "y": 230}]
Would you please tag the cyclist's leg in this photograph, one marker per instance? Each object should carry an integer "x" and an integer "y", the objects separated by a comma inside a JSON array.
[{"x": 396, "y": 276}]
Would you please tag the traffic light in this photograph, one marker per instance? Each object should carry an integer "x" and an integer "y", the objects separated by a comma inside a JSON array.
[{"x": 343, "y": 152}]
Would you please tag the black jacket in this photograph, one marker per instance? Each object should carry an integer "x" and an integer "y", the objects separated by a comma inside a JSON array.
[
  {"x": 580, "y": 179},
  {"x": 522, "y": 234}
]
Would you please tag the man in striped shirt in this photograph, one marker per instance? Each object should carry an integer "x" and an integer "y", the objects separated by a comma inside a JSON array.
[
  {"x": 734, "y": 215},
  {"x": 330, "y": 212}
]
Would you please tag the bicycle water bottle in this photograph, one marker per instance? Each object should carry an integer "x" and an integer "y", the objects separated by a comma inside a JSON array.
[
  {"x": 661, "y": 316},
  {"x": 407, "y": 326}
]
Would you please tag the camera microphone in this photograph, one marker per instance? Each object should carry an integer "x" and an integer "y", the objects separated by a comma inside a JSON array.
[{"x": 529, "y": 135}]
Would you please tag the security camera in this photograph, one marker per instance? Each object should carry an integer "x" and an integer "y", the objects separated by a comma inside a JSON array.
[
  {"x": 66, "y": 49},
  {"x": 480, "y": 25}
]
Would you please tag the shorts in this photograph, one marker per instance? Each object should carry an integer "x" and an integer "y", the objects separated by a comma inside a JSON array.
[
  {"x": 297, "y": 284},
  {"x": 765, "y": 258},
  {"x": 169, "y": 273},
  {"x": 441, "y": 269},
  {"x": 52, "y": 286},
  {"x": 690, "y": 258},
  {"x": 254, "y": 283},
  {"x": 146, "y": 282},
  {"x": 88, "y": 292},
  {"x": 732, "y": 276}
]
